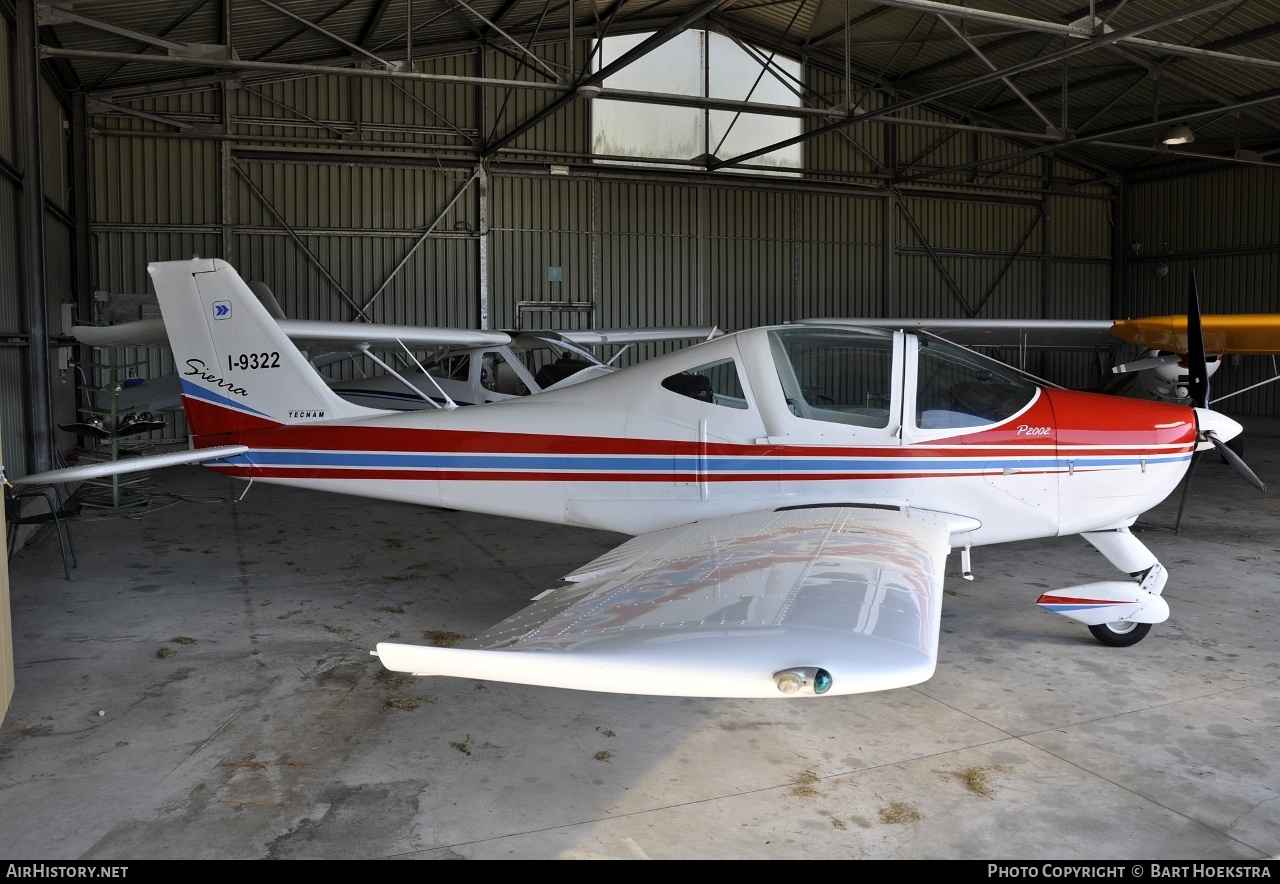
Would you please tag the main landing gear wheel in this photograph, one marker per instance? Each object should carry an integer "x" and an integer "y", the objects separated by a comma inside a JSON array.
[{"x": 1120, "y": 633}]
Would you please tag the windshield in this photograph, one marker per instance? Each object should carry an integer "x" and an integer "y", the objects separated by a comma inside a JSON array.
[{"x": 956, "y": 388}]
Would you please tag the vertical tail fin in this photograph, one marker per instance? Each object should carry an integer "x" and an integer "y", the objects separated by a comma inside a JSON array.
[{"x": 238, "y": 369}]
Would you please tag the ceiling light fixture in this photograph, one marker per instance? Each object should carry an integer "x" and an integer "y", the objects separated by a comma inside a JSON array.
[{"x": 1179, "y": 134}]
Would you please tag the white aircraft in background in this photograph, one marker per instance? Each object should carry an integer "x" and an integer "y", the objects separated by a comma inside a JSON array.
[
  {"x": 792, "y": 492},
  {"x": 458, "y": 366}
]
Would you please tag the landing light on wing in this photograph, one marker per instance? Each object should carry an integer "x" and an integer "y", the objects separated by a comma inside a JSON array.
[{"x": 803, "y": 679}]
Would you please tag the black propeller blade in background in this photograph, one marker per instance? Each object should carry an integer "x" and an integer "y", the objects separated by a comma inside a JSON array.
[
  {"x": 1198, "y": 387},
  {"x": 1199, "y": 370}
]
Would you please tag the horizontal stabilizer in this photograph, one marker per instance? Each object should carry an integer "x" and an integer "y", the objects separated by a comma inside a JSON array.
[
  {"x": 130, "y": 465},
  {"x": 728, "y": 607}
]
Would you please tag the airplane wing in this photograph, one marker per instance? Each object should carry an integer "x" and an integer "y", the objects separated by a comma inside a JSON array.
[
  {"x": 591, "y": 337},
  {"x": 1075, "y": 334},
  {"x": 752, "y": 605},
  {"x": 307, "y": 332},
  {"x": 1251, "y": 334},
  {"x": 304, "y": 332}
]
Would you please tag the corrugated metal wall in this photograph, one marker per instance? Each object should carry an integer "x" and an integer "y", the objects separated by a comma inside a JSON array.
[
  {"x": 59, "y": 263},
  {"x": 1224, "y": 227},
  {"x": 13, "y": 372},
  {"x": 12, "y": 388},
  {"x": 840, "y": 256}
]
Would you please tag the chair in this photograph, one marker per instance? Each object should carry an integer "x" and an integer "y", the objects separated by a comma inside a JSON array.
[
  {"x": 695, "y": 386},
  {"x": 17, "y": 512}
]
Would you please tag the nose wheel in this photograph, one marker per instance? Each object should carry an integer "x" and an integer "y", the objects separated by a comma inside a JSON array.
[{"x": 1120, "y": 633}]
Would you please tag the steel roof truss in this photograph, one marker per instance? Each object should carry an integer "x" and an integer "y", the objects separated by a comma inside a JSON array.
[{"x": 1086, "y": 45}]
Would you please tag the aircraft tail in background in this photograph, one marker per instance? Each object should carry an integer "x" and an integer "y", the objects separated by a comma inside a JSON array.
[{"x": 238, "y": 369}]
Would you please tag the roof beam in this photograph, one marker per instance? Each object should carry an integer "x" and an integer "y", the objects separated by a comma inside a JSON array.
[
  {"x": 1103, "y": 138},
  {"x": 373, "y": 21},
  {"x": 298, "y": 32},
  {"x": 1089, "y": 44}
]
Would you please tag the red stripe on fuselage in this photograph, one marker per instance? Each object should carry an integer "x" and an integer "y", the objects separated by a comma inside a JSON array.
[
  {"x": 1090, "y": 424},
  {"x": 210, "y": 424}
]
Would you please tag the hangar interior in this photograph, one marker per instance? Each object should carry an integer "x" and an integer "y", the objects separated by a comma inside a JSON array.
[
  {"x": 561, "y": 164},
  {"x": 537, "y": 164}
]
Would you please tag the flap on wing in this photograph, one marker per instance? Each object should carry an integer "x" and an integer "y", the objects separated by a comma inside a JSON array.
[{"x": 718, "y": 608}]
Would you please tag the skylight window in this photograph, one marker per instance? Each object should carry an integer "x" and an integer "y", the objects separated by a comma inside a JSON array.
[{"x": 698, "y": 64}]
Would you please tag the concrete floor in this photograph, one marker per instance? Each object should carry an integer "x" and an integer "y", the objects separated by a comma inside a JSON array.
[{"x": 202, "y": 687}]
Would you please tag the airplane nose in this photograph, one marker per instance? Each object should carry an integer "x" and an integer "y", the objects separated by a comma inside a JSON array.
[{"x": 1220, "y": 425}]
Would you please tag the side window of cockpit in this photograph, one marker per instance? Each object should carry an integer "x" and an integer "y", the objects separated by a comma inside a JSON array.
[
  {"x": 455, "y": 366},
  {"x": 955, "y": 388},
  {"x": 716, "y": 382},
  {"x": 836, "y": 375}
]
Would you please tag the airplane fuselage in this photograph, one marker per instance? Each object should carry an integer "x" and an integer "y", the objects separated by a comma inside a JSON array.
[{"x": 633, "y": 452}]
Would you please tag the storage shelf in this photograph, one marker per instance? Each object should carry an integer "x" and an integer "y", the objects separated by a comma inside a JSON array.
[{"x": 122, "y": 493}]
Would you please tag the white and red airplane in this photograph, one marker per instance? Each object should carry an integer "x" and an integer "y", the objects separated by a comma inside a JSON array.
[{"x": 792, "y": 492}]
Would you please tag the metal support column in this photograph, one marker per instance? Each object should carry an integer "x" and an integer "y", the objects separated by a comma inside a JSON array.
[
  {"x": 1046, "y": 243},
  {"x": 889, "y": 223},
  {"x": 482, "y": 251},
  {"x": 1120, "y": 305},
  {"x": 596, "y": 242},
  {"x": 40, "y": 457},
  {"x": 86, "y": 271},
  {"x": 226, "y": 253},
  {"x": 799, "y": 306},
  {"x": 484, "y": 244}
]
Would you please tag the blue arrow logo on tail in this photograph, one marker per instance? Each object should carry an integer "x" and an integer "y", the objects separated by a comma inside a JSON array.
[{"x": 221, "y": 309}]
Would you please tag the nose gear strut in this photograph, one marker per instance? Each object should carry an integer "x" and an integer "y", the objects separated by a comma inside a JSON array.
[{"x": 1118, "y": 612}]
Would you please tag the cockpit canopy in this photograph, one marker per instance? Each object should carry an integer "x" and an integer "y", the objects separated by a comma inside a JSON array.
[{"x": 846, "y": 376}]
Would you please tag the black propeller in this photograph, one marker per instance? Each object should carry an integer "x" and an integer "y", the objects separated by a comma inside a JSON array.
[
  {"x": 1199, "y": 382},
  {"x": 1198, "y": 387}
]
